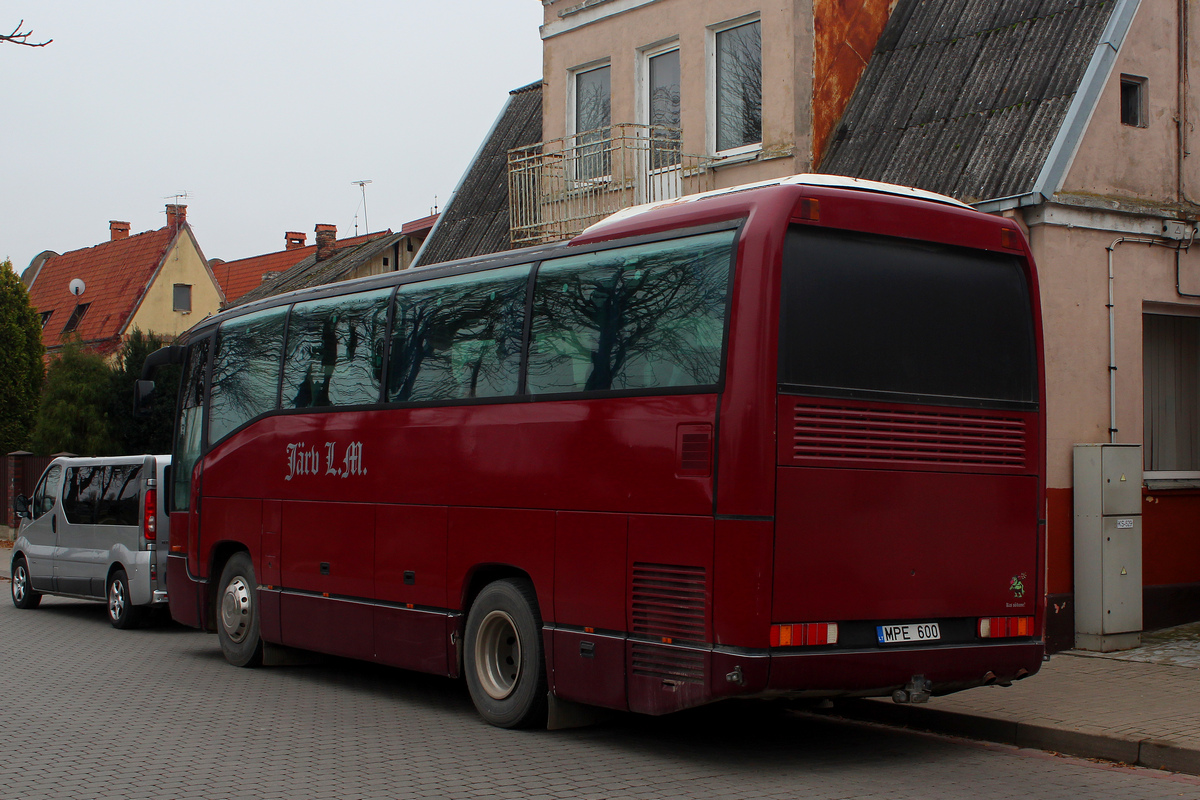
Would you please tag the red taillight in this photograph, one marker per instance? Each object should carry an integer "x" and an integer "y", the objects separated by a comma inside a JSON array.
[
  {"x": 1005, "y": 627},
  {"x": 149, "y": 516},
  {"x": 804, "y": 634}
]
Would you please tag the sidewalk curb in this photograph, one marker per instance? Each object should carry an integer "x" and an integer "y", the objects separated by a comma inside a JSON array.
[{"x": 1151, "y": 753}]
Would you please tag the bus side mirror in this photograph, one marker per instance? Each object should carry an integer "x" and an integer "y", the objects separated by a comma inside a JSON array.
[
  {"x": 21, "y": 506},
  {"x": 143, "y": 392}
]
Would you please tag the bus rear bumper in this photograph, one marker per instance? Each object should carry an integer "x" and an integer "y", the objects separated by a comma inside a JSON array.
[{"x": 878, "y": 673}]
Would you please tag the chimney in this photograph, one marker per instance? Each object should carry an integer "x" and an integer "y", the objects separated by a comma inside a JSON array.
[
  {"x": 176, "y": 216},
  {"x": 326, "y": 238},
  {"x": 295, "y": 240},
  {"x": 117, "y": 230}
]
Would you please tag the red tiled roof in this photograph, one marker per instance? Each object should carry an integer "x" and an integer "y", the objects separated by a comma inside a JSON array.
[
  {"x": 115, "y": 274},
  {"x": 240, "y": 276},
  {"x": 424, "y": 224}
]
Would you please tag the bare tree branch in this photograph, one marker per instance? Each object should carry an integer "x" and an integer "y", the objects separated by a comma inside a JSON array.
[{"x": 19, "y": 36}]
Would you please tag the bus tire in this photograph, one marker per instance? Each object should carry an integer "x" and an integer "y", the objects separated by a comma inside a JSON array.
[
  {"x": 237, "y": 613},
  {"x": 23, "y": 595},
  {"x": 505, "y": 664},
  {"x": 121, "y": 613}
]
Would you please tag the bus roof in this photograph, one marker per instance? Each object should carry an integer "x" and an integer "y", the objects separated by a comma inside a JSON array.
[{"x": 805, "y": 179}]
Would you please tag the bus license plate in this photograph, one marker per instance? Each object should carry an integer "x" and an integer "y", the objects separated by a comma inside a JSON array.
[{"x": 899, "y": 634}]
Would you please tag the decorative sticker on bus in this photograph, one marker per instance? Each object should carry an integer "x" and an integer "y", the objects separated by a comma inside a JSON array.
[{"x": 303, "y": 459}]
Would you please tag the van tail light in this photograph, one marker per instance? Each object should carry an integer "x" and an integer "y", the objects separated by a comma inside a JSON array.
[
  {"x": 1005, "y": 627},
  {"x": 149, "y": 516},
  {"x": 804, "y": 634}
]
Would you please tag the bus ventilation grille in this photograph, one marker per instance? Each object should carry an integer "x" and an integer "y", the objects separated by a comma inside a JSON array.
[
  {"x": 667, "y": 663},
  {"x": 668, "y": 601},
  {"x": 908, "y": 437}
]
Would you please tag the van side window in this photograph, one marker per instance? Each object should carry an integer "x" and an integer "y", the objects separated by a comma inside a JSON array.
[
  {"x": 47, "y": 491},
  {"x": 118, "y": 504},
  {"x": 84, "y": 486}
]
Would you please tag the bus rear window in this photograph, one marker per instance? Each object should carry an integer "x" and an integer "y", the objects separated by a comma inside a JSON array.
[{"x": 874, "y": 317}]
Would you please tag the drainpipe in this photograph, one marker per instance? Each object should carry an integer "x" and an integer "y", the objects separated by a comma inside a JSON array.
[
  {"x": 1181, "y": 120},
  {"x": 1112, "y": 323}
]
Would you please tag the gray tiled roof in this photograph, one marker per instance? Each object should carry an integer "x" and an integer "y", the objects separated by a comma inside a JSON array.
[
  {"x": 967, "y": 97},
  {"x": 311, "y": 272},
  {"x": 475, "y": 221}
]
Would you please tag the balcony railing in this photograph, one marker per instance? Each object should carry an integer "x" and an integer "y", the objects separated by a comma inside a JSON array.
[{"x": 559, "y": 187}]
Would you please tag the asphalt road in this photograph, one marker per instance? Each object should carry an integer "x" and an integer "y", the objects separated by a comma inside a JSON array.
[{"x": 93, "y": 712}]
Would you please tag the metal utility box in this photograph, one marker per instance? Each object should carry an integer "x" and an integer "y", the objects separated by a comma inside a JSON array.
[{"x": 1108, "y": 546}]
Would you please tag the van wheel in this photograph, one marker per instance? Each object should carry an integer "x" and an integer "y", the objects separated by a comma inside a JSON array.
[
  {"x": 121, "y": 613},
  {"x": 505, "y": 665},
  {"x": 237, "y": 613},
  {"x": 23, "y": 594}
]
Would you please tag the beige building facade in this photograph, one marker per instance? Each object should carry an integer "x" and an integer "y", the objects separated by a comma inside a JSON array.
[
  {"x": 1117, "y": 186},
  {"x": 1128, "y": 203}
]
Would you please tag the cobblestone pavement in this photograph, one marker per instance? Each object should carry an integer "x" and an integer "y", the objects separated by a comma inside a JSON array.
[
  {"x": 92, "y": 712},
  {"x": 1177, "y": 647}
]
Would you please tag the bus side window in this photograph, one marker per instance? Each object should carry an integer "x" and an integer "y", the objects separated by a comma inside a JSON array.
[
  {"x": 458, "y": 338},
  {"x": 643, "y": 317},
  {"x": 245, "y": 373},
  {"x": 334, "y": 351},
  {"x": 189, "y": 424}
]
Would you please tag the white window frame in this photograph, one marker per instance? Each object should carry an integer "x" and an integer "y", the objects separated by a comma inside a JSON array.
[
  {"x": 642, "y": 89},
  {"x": 710, "y": 78},
  {"x": 1189, "y": 476},
  {"x": 573, "y": 131},
  {"x": 572, "y": 77}
]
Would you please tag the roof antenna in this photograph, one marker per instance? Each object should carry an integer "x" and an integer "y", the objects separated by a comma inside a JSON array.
[
  {"x": 179, "y": 197},
  {"x": 435, "y": 206},
  {"x": 362, "y": 185}
]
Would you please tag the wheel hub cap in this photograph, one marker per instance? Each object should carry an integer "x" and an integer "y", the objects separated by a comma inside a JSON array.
[
  {"x": 18, "y": 584},
  {"x": 235, "y": 609},
  {"x": 498, "y": 655},
  {"x": 116, "y": 600}
]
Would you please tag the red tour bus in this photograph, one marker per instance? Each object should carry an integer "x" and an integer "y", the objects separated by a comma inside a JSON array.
[{"x": 783, "y": 439}]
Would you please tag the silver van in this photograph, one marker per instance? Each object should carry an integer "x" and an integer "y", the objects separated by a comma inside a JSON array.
[{"x": 92, "y": 530}]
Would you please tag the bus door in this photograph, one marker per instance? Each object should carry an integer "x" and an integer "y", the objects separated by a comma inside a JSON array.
[{"x": 185, "y": 485}]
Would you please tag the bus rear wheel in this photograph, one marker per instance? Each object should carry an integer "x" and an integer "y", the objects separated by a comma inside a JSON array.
[
  {"x": 505, "y": 664},
  {"x": 237, "y": 613}
]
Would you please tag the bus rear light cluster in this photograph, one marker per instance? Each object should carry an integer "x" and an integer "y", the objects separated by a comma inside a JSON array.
[
  {"x": 1004, "y": 627},
  {"x": 809, "y": 208},
  {"x": 804, "y": 634},
  {"x": 149, "y": 519}
]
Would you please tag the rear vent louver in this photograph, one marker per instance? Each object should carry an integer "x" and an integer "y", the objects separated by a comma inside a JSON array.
[
  {"x": 669, "y": 601},
  {"x": 667, "y": 663},
  {"x": 908, "y": 437}
]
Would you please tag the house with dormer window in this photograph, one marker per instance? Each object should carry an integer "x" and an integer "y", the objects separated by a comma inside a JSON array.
[{"x": 157, "y": 281}]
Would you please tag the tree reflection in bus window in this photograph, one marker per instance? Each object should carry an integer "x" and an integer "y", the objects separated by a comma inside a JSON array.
[
  {"x": 644, "y": 317},
  {"x": 458, "y": 337},
  {"x": 245, "y": 372},
  {"x": 335, "y": 351}
]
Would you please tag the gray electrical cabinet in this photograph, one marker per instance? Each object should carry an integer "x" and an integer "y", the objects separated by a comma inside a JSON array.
[{"x": 1108, "y": 546}]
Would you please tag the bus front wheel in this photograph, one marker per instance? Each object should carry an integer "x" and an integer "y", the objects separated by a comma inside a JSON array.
[
  {"x": 505, "y": 665},
  {"x": 237, "y": 613}
]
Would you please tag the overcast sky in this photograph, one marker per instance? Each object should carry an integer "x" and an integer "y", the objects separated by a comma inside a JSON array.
[{"x": 263, "y": 111}]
